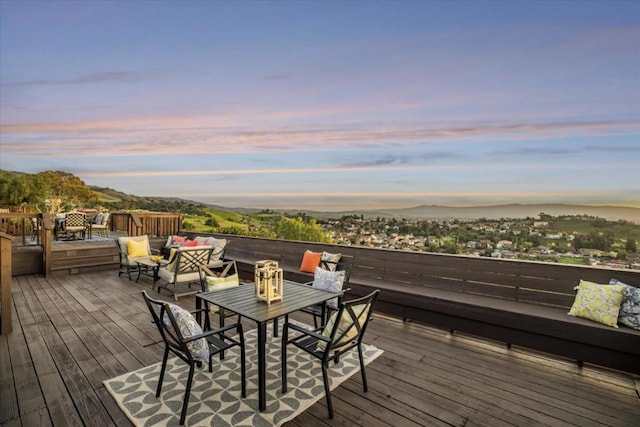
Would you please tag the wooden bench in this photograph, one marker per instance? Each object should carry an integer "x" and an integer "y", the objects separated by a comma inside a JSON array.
[{"x": 516, "y": 302}]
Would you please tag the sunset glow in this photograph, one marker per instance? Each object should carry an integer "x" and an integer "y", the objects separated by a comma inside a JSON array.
[{"x": 328, "y": 105}]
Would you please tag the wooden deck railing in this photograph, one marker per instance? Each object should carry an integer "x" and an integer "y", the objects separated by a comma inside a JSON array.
[
  {"x": 26, "y": 227},
  {"x": 32, "y": 235},
  {"x": 543, "y": 283},
  {"x": 149, "y": 223},
  {"x": 5, "y": 284}
]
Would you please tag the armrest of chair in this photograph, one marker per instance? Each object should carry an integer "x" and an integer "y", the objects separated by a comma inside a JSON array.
[{"x": 315, "y": 333}]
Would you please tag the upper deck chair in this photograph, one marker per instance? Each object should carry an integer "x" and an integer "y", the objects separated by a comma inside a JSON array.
[
  {"x": 99, "y": 224},
  {"x": 343, "y": 332},
  {"x": 184, "y": 338},
  {"x": 75, "y": 223}
]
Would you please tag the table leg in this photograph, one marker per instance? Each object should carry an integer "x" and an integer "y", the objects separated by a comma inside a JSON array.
[
  {"x": 198, "y": 313},
  {"x": 262, "y": 369},
  {"x": 139, "y": 272}
]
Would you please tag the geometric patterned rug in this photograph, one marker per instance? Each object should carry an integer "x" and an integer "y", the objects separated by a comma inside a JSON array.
[{"x": 216, "y": 398}]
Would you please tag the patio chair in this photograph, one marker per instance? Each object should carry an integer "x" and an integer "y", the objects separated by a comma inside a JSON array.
[
  {"x": 75, "y": 223},
  {"x": 36, "y": 227},
  {"x": 184, "y": 338},
  {"x": 214, "y": 280},
  {"x": 217, "y": 256},
  {"x": 99, "y": 225},
  {"x": 343, "y": 332},
  {"x": 58, "y": 226},
  {"x": 333, "y": 276},
  {"x": 141, "y": 250},
  {"x": 184, "y": 268}
]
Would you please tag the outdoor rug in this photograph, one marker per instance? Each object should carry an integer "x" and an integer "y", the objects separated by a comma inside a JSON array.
[{"x": 216, "y": 397}]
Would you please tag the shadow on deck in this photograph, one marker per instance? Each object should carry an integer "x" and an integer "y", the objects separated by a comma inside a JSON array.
[{"x": 73, "y": 332}]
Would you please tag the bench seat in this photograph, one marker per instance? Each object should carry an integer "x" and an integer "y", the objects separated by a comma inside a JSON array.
[
  {"x": 543, "y": 328},
  {"x": 523, "y": 303}
]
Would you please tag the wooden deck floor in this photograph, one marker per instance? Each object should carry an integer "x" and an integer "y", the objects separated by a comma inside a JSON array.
[{"x": 73, "y": 332}]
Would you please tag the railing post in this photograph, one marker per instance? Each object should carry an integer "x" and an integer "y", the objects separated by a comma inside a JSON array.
[
  {"x": 47, "y": 228},
  {"x": 5, "y": 284},
  {"x": 135, "y": 225}
]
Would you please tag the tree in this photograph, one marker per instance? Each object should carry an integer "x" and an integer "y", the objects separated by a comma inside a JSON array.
[
  {"x": 211, "y": 222},
  {"x": 298, "y": 229},
  {"x": 18, "y": 189},
  {"x": 630, "y": 246},
  {"x": 63, "y": 189}
]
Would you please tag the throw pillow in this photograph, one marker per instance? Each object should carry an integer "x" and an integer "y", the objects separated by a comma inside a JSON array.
[
  {"x": 172, "y": 259},
  {"x": 189, "y": 243},
  {"x": 218, "y": 246},
  {"x": 630, "y": 307},
  {"x": 331, "y": 281},
  {"x": 331, "y": 260},
  {"x": 310, "y": 261},
  {"x": 177, "y": 241},
  {"x": 136, "y": 249},
  {"x": 189, "y": 328},
  {"x": 360, "y": 311},
  {"x": 97, "y": 219},
  {"x": 598, "y": 303}
]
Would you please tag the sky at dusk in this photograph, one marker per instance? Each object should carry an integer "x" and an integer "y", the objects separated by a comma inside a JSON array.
[{"x": 327, "y": 105}]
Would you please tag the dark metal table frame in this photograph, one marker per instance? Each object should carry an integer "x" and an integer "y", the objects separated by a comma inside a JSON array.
[
  {"x": 147, "y": 264},
  {"x": 242, "y": 300}
]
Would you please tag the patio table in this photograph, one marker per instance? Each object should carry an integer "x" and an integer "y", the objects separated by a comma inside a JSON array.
[{"x": 242, "y": 300}]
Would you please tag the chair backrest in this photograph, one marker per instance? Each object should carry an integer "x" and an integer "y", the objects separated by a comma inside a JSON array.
[
  {"x": 346, "y": 267},
  {"x": 100, "y": 219},
  {"x": 170, "y": 332},
  {"x": 350, "y": 322},
  {"x": 122, "y": 243},
  {"x": 219, "y": 246},
  {"x": 191, "y": 259},
  {"x": 75, "y": 219}
]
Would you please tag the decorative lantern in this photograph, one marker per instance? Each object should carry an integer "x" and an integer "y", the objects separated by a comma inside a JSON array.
[{"x": 268, "y": 279}]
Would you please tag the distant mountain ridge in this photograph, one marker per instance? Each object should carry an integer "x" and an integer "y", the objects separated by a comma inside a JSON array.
[{"x": 612, "y": 213}]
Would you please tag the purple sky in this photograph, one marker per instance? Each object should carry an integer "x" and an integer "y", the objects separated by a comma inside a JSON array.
[{"x": 327, "y": 105}]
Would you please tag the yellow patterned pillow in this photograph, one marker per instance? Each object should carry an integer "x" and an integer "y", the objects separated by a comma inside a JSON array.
[{"x": 600, "y": 303}]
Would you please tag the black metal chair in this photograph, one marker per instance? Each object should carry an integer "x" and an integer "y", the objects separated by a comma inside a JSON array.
[
  {"x": 228, "y": 276},
  {"x": 175, "y": 342},
  {"x": 321, "y": 312},
  {"x": 342, "y": 333}
]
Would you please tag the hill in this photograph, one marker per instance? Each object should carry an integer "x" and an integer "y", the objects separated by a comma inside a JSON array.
[{"x": 611, "y": 213}]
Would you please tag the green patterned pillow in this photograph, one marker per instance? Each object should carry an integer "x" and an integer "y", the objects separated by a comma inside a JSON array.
[
  {"x": 346, "y": 321},
  {"x": 215, "y": 283},
  {"x": 600, "y": 303}
]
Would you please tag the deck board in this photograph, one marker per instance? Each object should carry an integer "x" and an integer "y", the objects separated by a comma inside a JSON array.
[{"x": 73, "y": 332}]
